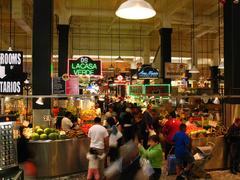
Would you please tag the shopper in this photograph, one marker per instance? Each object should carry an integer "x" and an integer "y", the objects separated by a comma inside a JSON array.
[
  {"x": 98, "y": 140},
  {"x": 66, "y": 123},
  {"x": 93, "y": 164},
  {"x": 233, "y": 138},
  {"x": 126, "y": 125},
  {"x": 115, "y": 139},
  {"x": 184, "y": 158},
  {"x": 148, "y": 123},
  {"x": 170, "y": 128},
  {"x": 154, "y": 155},
  {"x": 110, "y": 113}
]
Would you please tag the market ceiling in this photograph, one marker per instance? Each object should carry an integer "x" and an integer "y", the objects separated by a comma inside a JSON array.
[{"x": 93, "y": 21}]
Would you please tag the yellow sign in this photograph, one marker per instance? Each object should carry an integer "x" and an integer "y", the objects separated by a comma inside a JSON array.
[{"x": 175, "y": 70}]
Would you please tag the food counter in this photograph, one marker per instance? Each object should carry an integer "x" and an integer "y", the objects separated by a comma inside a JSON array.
[
  {"x": 219, "y": 157},
  {"x": 60, "y": 157}
]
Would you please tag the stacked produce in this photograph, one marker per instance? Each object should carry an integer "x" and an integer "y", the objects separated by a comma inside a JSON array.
[
  {"x": 47, "y": 134},
  {"x": 88, "y": 115},
  {"x": 74, "y": 133},
  {"x": 195, "y": 131}
]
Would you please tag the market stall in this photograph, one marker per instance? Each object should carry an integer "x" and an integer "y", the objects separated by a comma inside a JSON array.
[{"x": 59, "y": 157}]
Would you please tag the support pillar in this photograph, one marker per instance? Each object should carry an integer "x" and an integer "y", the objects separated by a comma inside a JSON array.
[
  {"x": 231, "y": 59},
  {"x": 166, "y": 50},
  {"x": 63, "y": 31},
  {"x": 42, "y": 38}
]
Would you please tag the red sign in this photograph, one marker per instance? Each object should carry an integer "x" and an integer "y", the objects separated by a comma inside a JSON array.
[{"x": 72, "y": 86}]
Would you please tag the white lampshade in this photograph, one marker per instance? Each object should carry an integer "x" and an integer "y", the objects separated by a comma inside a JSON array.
[
  {"x": 216, "y": 101},
  {"x": 39, "y": 101},
  {"x": 182, "y": 101},
  {"x": 221, "y": 65},
  {"x": 119, "y": 59},
  {"x": 194, "y": 70},
  {"x": 135, "y": 9}
]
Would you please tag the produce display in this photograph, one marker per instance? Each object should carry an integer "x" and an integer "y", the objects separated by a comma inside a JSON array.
[
  {"x": 44, "y": 134},
  {"x": 74, "y": 133},
  {"x": 88, "y": 115}
]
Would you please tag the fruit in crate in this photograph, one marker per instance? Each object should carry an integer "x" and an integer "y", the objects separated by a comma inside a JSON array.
[
  {"x": 35, "y": 136},
  {"x": 53, "y": 136},
  {"x": 48, "y": 131},
  {"x": 87, "y": 115},
  {"x": 39, "y": 131},
  {"x": 43, "y": 137}
]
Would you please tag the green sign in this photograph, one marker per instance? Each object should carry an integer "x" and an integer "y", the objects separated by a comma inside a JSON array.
[{"x": 84, "y": 66}]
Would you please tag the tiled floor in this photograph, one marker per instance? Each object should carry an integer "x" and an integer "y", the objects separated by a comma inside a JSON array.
[{"x": 216, "y": 175}]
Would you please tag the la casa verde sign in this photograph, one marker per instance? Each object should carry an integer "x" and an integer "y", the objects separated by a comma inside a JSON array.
[{"x": 84, "y": 66}]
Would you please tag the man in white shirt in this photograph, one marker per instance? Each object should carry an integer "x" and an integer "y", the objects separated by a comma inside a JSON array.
[
  {"x": 66, "y": 123},
  {"x": 98, "y": 140}
]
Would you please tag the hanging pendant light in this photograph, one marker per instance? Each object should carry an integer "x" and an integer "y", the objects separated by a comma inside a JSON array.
[
  {"x": 194, "y": 69},
  {"x": 135, "y": 9},
  {"x": 221, "y": 64},
  {"x": 40, "y": 101},
  {"x": 216, "y": 100},
  {"x": 111, "y": 67},
  {"x": 119, "y": 58}
]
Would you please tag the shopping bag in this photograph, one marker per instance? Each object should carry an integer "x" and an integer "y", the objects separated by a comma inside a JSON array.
[
  {"x": 146, "y": 167},
  {"x": 171, "y": 164}
]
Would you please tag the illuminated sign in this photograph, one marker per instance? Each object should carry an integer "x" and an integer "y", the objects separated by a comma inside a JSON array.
[
  {"x": 148, "y": 72},
  {"x": 11, "y": 72},
  {"x": 175, "y": 70},
  {"x": 84, "y": 66}
]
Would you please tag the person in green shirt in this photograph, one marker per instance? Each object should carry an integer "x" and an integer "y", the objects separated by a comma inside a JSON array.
[{"x": 154, "y": 154}]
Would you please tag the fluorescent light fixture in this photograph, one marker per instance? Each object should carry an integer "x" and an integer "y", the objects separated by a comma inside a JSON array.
[
  {"x": 135, "y": 9},
  {"x": 194, "y": 70},
  {"x": 119, "y": 59},
  {"x": 39, "y": 101}
]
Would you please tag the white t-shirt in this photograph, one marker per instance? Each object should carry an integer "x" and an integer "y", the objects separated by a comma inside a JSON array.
[
  {"x": 113, "y": 139},
  {"x": 97, "y": 133},
  {"x": 66, "y": 123}
]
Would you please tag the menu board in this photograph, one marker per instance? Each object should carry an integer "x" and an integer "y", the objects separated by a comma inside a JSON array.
[
  {"x": 158, "y": 90},
  {"x": 135, "y": 90},
  {"x": 58, "y": 85}
]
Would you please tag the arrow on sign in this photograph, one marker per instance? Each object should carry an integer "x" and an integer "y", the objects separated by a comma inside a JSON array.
[{"x": 2, "y": 72}]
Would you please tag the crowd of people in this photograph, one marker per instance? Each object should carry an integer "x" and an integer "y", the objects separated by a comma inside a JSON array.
[{"x": 124, "y": 125}]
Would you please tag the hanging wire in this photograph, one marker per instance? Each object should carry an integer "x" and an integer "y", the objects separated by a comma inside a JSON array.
[
  {"x": 203, "y": 72},
  {"x": 179, "y": 46},
  {"x": 1, "y": 22},
  {"x": 10, "y": 23},
  {"x": 219, "y": 33},
  {"x": 119, "y": 36},
  {"x": 193, "y": 33},
  {"x": 98, "y": 21},
  {"x": 14, "y": 35},
  {"x": 140, "y": 41}
]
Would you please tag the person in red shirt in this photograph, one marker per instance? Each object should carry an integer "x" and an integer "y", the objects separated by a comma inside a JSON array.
[{"x": 170, "y": 128}]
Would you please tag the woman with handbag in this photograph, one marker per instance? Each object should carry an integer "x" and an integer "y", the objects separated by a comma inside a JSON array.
[{"x": 154, "y": 154}]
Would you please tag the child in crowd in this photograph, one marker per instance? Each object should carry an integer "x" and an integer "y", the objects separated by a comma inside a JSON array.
[
  {"x": 93, "y": 164},
  {"x": 154, "y": 154}
]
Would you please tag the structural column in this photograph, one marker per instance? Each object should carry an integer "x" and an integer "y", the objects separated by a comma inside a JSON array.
[
  {"x": 231, "y": 59},
  {"x": 42, "y": 53},
  {"x": 166, "y": 50},
  {"x": 63, "y": 31}
]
